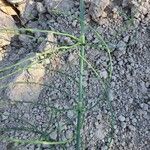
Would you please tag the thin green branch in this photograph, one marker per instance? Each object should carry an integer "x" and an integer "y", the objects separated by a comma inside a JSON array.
[
  {"x": 13, "y": 30},
  {"x": 35, "y": 141},
  {"x": 99, "y": 37},
  {"x": 48, "y": 51},
  {"x": 29, "y": 66},
  {"x": 94, "y": 70}
]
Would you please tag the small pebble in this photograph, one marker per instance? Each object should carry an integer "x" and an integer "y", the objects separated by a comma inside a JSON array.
[
  {"x": 122, "y": 118},
  {"x": 40, "y": 7},
  {"x": 104, "y": 74}
]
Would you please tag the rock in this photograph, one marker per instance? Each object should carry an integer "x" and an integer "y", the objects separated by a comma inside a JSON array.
[
  {"x": 121, "y": 49},
  {"x": 3, "y": 146},
  {"x": 111, "y": 95},
  {"x": 71, "y": 57},
  {"x": 104, "y": 15},
  {"x": 7, "y": 8},
  {"x": 28, "y": 11},
  {"x": 66, "y": 5},
  {"x": 111, "y": 46},
  {"x": 5, "y": 115},
  {"x": 143, "y": 87},
  {"x": 74, "y": 23},
  {"x": 126, "y": 38},
  {"x": 131, "y": 100},
  {"x": 97, "y": 8},
  {"x": 49, "y": 44},
  {"x": 28, "y": 90},
  {"x": 6, "y": 22},
  {"x": 115, "y": 10},
  {"x": 125, "y": 3},
  {"x": 95, "y": 41},
  {"x": 100, "y": 131},
  {"x": 24, "y": 38},
  {"x": 121, "y": 118},
  {"x": 121, "y": 46},
  {"x": 67, "y": 40},
  {"x": 16, "y": 1},
  {"x": 134, "y": 120},
  {"x": 22, "y": 6},
  {"x": 53, "y": 135},
  {"x": 2, "y": 54},
  {"x": 70, "y": 114},
  {"x": 143, "y": 10},
  {"x": 21, "y": 51},
  {"x": 124, "y": 124},
  {"x": 69, "y": 134},
  {"x": 144, "y": 106},
  {"x": 104, "y": 74},
  {"x": 132, "y": 128},
  {"x": 14, "y": 57},
  {"x": 104, "y": 147},
  {"x": 40, "y": 7}
]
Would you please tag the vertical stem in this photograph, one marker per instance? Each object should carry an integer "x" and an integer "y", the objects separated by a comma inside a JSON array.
[{"x": 81, "y": 100}]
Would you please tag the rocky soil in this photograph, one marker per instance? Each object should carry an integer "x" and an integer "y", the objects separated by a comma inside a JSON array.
[{"x": 125, "y": 27}]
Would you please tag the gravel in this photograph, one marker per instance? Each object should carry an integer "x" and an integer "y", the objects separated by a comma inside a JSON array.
[{"x": 124, "y": 25}]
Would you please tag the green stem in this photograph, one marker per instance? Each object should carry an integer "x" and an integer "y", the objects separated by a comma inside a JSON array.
[
  {"x": 35, "y": 141},
  {"x": 13, "y": 30},
  {"x": 100, "y": 39},
  {"x": 80, "y": 102},
  {"x": 31, "y": 58},
  {"x": 59, "y": 49}
]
